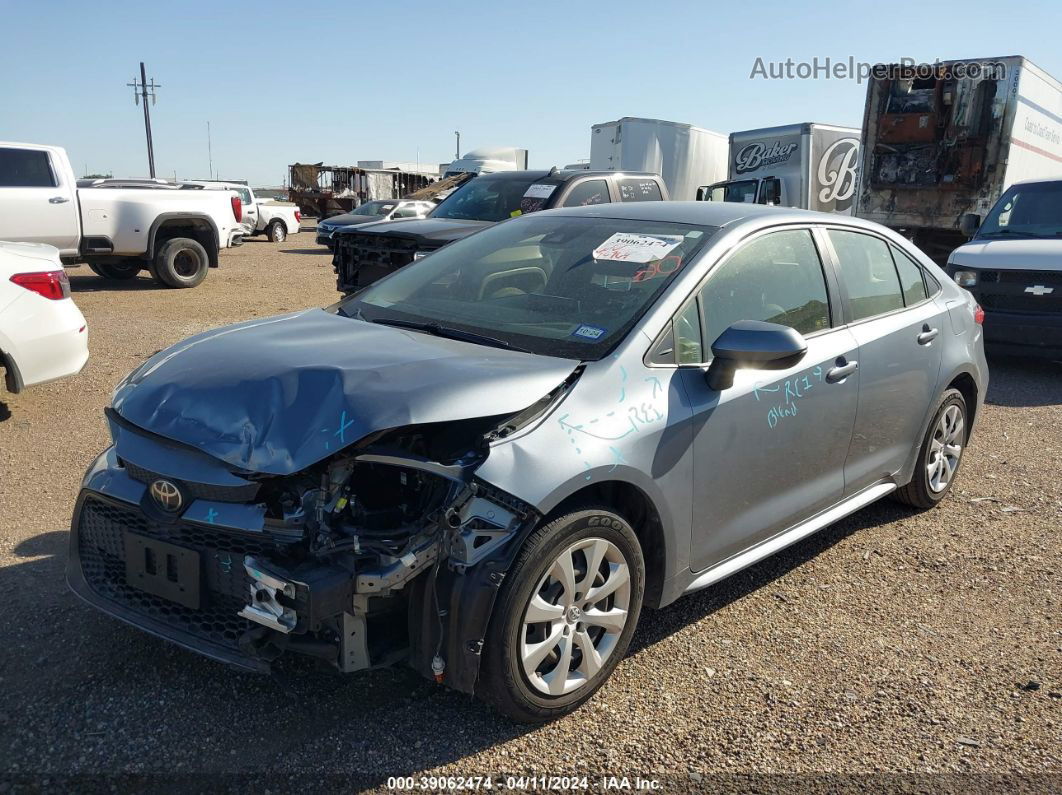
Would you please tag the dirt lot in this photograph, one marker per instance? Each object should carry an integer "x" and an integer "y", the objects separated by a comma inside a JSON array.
[{"x": 890, "y": 642}]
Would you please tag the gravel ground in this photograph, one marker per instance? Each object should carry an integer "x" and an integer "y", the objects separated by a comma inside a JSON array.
[{"x": 892, "y": 642}]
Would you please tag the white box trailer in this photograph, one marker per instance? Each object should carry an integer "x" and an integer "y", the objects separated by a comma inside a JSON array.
[
  {"x": 948, "y": 139},
  {"x": 683, "y": 155},
  {"x": 807, "y": 165}
]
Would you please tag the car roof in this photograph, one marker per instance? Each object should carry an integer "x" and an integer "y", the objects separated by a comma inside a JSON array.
[
  {"x": 562, "y": 175},
  {"x": 708, "y": 213}
]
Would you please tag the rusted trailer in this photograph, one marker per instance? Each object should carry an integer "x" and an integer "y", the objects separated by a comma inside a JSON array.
[
  {"x": 322, "y": 190},
  {"x": 946, "y": 139}
]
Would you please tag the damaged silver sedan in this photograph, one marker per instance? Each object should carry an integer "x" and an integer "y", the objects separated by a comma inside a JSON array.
[{"x": 486, "y": 463}]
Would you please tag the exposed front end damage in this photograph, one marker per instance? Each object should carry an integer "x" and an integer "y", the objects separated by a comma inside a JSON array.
[{"x": 390, "y": 549}]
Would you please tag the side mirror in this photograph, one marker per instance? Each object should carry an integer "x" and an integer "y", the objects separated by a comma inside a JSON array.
[
  {"x": 969, "y": 223},
  {"x": 753, "y": 344}
]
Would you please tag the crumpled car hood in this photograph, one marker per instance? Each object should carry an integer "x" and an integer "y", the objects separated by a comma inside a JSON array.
[{"x": 276, "y": 395}]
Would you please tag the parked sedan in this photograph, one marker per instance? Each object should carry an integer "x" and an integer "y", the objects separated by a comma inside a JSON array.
[
  {"x": 488, "y": 462},
  {"x": 371, "y": 212},
  {"x": 43, "y": 335}
]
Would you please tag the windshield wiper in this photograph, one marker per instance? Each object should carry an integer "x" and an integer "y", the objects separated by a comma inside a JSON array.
[{"x": 449, "y": 333}]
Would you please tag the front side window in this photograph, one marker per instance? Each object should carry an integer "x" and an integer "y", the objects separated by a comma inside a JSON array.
[
  {"x": 374, "y": 208},
  {"x": 868, "y": 272},
  {"x": 592, "y": 191},
  {"x": 777, "y": 278},
  {"x": 564, "y": 286},
  {"x": 25, "y": 168}
]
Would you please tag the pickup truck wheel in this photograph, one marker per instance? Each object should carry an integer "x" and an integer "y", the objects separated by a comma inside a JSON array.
[
  {"x": 278, "y": 233},
  {"x": 564, "y": 617},
  {"x": 181, "y": 262},
  {"x": 112, "y": 271}
]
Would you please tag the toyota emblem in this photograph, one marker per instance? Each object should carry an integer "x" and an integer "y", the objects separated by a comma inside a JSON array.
[{"x": 166, "y": 495}]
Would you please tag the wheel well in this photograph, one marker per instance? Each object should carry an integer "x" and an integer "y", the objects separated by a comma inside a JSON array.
[
  {"x": 634, "y": 505},
  {"x": 198, "y": 229},
  {"x": 968, "y": 387}
]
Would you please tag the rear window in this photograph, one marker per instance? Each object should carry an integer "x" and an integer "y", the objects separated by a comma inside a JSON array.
[
  {"x": 639, "y": 190},
  {"x": 25, "y": 168}
]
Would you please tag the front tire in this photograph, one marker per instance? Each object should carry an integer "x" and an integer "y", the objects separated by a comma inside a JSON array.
[
  {"x": 564, "y": 617},
  {"x": 120, "y": 272},
  {"x": 181, "y": 262},
  {"x": 940, "y": 455},
  {"x": 278, "y": 233}
]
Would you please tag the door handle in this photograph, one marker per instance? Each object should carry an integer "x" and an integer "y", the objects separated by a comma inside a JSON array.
[
  {"x": 928, "y": 335},
  {"x": 843, "y": 369},
  {"x": 58, "y": 200}
]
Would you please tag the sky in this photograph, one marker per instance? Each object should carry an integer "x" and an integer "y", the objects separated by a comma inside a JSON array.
[{"x": 285, "y": 82}]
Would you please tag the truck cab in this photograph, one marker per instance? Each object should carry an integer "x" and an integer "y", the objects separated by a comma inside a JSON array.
[
  {"x": 1013, "y": 267},
  {"x": 364, "y": 254},
  {"x": 767, "y": 190}
]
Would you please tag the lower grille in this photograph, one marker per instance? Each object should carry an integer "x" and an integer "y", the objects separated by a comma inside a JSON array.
[
  {"x": 225, "y": 585},
  {"x": 1021, "y": 302},
  {"x": 361, "y": 259}
]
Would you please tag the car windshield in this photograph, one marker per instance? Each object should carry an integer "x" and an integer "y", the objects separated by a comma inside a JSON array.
[
  {"x": 492, "y": 199},
  {"x": 1033, "y": 210},
  {"x": 374, "y": 208},
  {"x": 743, "y": 191},
  {"x": 556, "y": 285}
]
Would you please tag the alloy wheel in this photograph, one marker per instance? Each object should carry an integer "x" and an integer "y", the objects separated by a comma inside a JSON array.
[
  {"x": 945, "y": 449},
  {"x": 575, "y": 616}
]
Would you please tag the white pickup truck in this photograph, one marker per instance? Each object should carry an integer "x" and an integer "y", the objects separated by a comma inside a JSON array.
[
  {"x": 116, "y": 231},
  {"x": 274, "y": 219}
]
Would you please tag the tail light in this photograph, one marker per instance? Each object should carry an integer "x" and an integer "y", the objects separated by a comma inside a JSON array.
[
  {"x": 53, "y": 285},
  {"x": 298, "y": 216},
  {"x": 979, "y": 314},
  {"x": 237, "y": 208}
]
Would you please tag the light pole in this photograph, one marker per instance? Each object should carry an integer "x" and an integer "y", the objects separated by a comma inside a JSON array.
[{"x": 458, "y": 157}]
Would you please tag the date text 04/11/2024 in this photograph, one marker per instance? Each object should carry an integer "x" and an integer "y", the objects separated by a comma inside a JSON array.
[{"x": 521, "y": 783}]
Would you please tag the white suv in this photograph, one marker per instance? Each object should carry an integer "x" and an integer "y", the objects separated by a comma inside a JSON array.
[{"x": 43, "y": 335}]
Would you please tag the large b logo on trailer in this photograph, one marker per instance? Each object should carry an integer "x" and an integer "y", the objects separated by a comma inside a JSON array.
[{"x": 836, "y": 172}]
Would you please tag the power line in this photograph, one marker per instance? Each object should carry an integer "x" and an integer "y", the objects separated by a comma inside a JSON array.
[{"x": 142, "y": 90}]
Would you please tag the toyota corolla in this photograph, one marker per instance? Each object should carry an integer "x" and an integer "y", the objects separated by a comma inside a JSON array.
[{"x": 487, "y": 463}]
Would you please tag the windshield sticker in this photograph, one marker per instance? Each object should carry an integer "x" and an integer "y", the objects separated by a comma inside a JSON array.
[
  {"x": 515, "y": 213},
  {"x": 540, "y": 191},
  {"x": 628, "y": 247},
  {"x": 591, "y": 333}
]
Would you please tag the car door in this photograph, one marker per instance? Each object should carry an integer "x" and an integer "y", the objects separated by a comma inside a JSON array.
[
  {"x": 252, "y": 213},
  {"x": 770, "y": 450},
  {"x": 35, "y": 205},
  {"x": 898, "y": 329}
]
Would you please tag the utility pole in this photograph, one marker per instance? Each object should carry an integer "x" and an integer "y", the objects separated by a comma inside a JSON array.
[
  {"x": 458, "y": 145},
  {"x": 142, "y": 90}
]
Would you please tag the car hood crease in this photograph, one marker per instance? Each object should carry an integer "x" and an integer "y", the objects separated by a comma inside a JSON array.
[{"x": 276, "y": 395}]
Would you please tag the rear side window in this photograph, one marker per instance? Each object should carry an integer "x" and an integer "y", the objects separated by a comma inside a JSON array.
[
  {"x": 911, "y": 280},
  {"x": 868, "y": 272},
  {"x": 639, "y": 190},
  {"x": 777, "y": 278},
  {"x": 24, "y": 168},
  {"x": 592, "y": 191}
]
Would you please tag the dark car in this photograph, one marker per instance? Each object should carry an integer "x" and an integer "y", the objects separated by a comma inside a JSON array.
[
  {"x": 371, "y": 213},
  {"x": 367, "y": 253}
]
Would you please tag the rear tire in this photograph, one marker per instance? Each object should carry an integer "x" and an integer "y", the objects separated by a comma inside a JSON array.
[
  {"x": 180, "y": 262},
  {"x": 549, "y": 647},
  {"x": 119, "y": 272},
  {"x": 940, "y": 456},
  {"x": 278, "y": 233}
]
